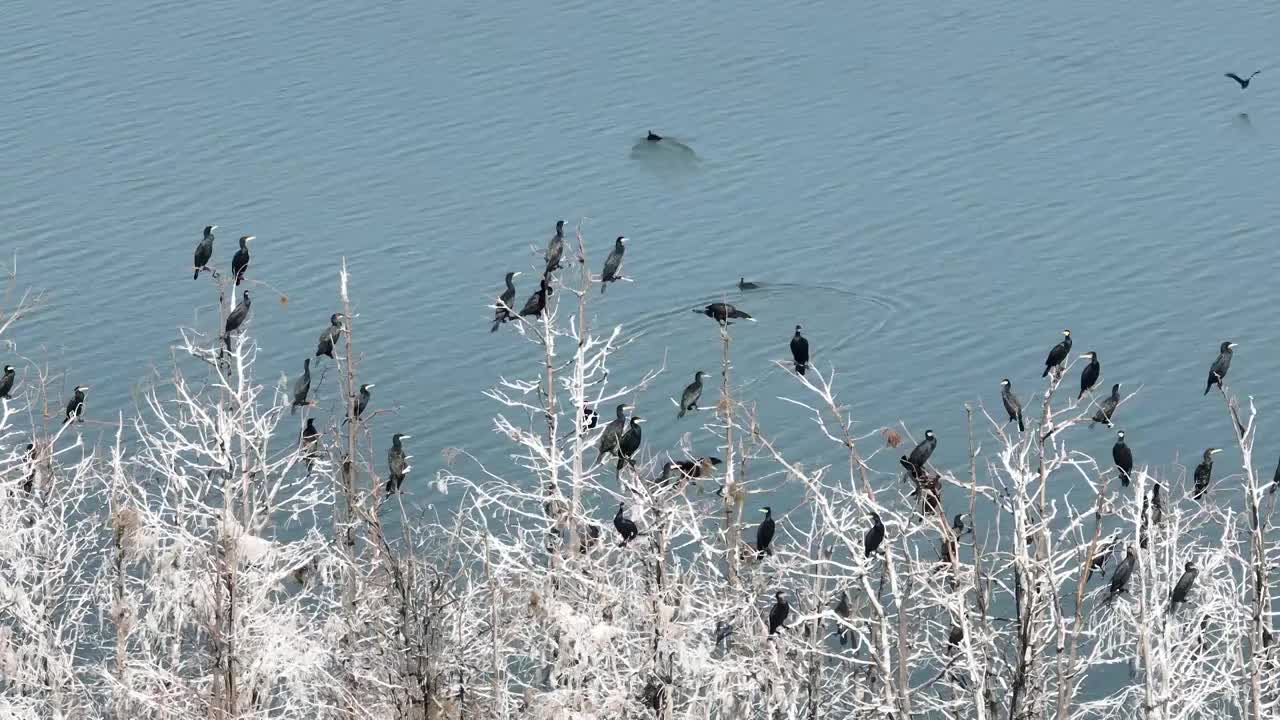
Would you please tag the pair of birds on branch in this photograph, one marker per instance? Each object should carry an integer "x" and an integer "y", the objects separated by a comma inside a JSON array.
[
  {"x": 204, "y": 253},
  {"x": 1124, "y": 573}
]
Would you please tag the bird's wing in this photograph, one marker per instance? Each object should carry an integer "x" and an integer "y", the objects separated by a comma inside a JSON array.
[{"x": 1235, "y": 77}]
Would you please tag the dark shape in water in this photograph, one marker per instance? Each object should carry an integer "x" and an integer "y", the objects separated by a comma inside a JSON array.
[
  {"x": 653, "y": 137},
  {"x": 744, "y": 285},
  {"x": 1244, "y": 82}
]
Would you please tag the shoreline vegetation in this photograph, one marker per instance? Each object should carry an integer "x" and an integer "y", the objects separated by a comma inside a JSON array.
[{"x": 210, "y": 556}]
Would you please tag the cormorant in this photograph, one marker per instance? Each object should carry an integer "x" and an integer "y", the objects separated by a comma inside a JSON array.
[
  {"x": 589, "y": 417},
  {"x": 537, "y": 302},
  {"x": 629, "y": 443},
  {"x": 694, "y": 469},
  {"x": 613, "y": 433},
  {"x": 1089, "y": 376},
  {"x": 236, "y": 318},
  {"x": 875, "y": 535},
  {"x": 1120, "y": 578},
  {"x": 29, "y": 482},
  {"x": 361, "y": 402},
  {"x": 692, "y": 393},
  {"x": 653, "y": 137},
  {"x": 626, "y": 528},
  {"x": 1275, "y": 480},
  {"x": 1123, "y": 458},
  {"x": 301, "y": 387},
  {"x": 240, "y": 261},
  {"x": 555, "y": 249},
  {"x": 764, "y": 533},
  {"x": 744, "y": 285},
  {"x": 330, "y": 336},
  {"x": 1183, "y": 588},
  {"x": 957, "y": 524},
  {"x": 75, "y": 406},
  {"x": 1218, "y": 370},
  {"x": 613, "y": 263},
  {"x": 1204, "y": 472},
  {"x": 915, "y": 463},
  {"x": 397, "y": 464},
  {"x": 310, "y": 439},
  {"x": 778, "y": 615},
  {"x": 1108, "y": 407},
  {"x": 6, "y": 381},
  {"x": 843, "y": 611},
  {"x": 1011, "y": 404},
  {"x": 1100, "y": 560},
  {"x": 955, "y": 635},
  {"x": 204, "y": 251},
  {"x": 504, "y": 309},
  {"x": 1157, "y": 505},
  {"x": 723, "y": 313},
  {"x": 800, "y": 351},
  {"x": 1244, "y": 82},
  {"x": 1058, "y": 353}
]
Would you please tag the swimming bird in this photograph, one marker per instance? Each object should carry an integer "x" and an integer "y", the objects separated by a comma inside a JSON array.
[
  {"x": 1120, "y": 578},
  {"x": 1108, "y": 407},
  {"x": 330, "y": 336},
  {"x": 1058, "y": 353},
  {"x": 1011, "y": 404},
  {"x": 302, "y": 387},
  {"x": 75, "y": 406},
  {"x": 692, "y": 393},
  {"x": 1218, "y": 370},
  {"x": 625, "y": 527},
  {"x": 613, "y": 433},
  {"x": 555, "y": 249},
  {"x": 537, "y": 302},
  {"x": 240, "y": 261},
  {"x": 800, "y": 351},
  {"x": 653, "y": 137},
  {"x": 6, "y": 381},
  {"x": 875, "y": 535},
  {"x": 629, "y": 443},
  {"x": 764, "y": 533},
  {"x": 1244, "y": 82},
  {"x": 1183, "y": 587},
  {"x": 397, "y": 464},
  {"x": 504, "y": 309},
  {"x": 723, "y": 313},
  {"x": 204, "y": 251},
  {"x": 309, "y": 441},
  {"x": 778, "y": 615},
  {"x": 360, "y": 403},
  {"x": 613, "y": 263},
  {"x": 915, "y": 463},
  {"x": 744, "y": 285},
  {"x": 236, "y": 318},
  {"x": 1089, "y": 376},
  {"x": 1204, "y": 472},
  {"x": 1123, "y": 458}
]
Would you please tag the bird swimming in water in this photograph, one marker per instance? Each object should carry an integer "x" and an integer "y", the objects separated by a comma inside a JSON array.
[
  {"x": 629, "y": 443},
  {"x": 204, "y": 251},
  {"x": 1244, "y": 82},
  {"x": 915, "y": 463},
  {"x": 1011, "y": 404},
  {"x": 537, "y": 302},
  {"x": 692, "y": 393},
  {"x": 800, "y": 351},
  {"x": 1183, "y": 588},
  {"x": 654, "y": 137},
  {"x": 360, "y": 403},
  {"x": 1204, "y": 472},
  {"x": 723, "y": 313},
  {"x": 236, "y": 318},
  {"x": 555, "y": 249},
  {"x": 744, "y": 285},
  {"x": 6, "y": 381},
  {"x": 309, "y": 441},
  {"x": 875, "y": 535},
  {"x": 1108, "y": 407},
  {"x": 1123, "y": 458},
  {"x": 1120, "y": 578},
  {"x": 624, "y": 525},
  {"x": 1058, "y": 354},
  {"x": 75, "y": 406},
  {"x": 613, "y": 433},
  {"x": 613, "y": 264},
  {"x": 1218, "y": 370},
  {"x": 397, "y": 464},
  {"x": 778, "y": 615},
  {"x": 1089, "y": 376},
  {"x": 330, "y": 336},
  {"x": 764, "y": 533},
  {"x": 504, "y": 309},
  {"x": 240, "y": 261},
  {"x": 302, "y": 387}
]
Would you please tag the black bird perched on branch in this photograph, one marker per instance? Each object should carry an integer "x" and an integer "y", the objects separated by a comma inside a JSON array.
[
  {"x": 302, "y": 387},
  {"x": 955, "y": 636},
  {"x": 397, "y": 464},
  {"x": 504, "y": 309},
  {"x": 537, "y": 302},
  {"x": 1100, "y": 560},
  {"x": 915, "y": 463},
  {"x": 1108, "y": 407},
  {"x": 240, "y": 261},
  {"x": 29, "y": 482},
  {"x": 309, "y": 440},
  {"x": 1157, "y": 505},
  {"x": 744, "y": 285},
  {"x": 6, "y": 381},
  {"x": 1011, "y": 404},
  {"x": 236, "y": 318},
  {"x": 875, "y": 535},
  {"x": 764, "y": 533},
  {"x": 843, "y": 611},
  {"x": 330, "y": 336},
  {"x": 625, "y": 527},
  {"x": 1244, "y": 82},
  {"x": 75, "y": 406},
  {"x": 1089, "y": 376},
  {"x": 692, "y": 393},
  {"x": 693, "y": 469},
  {"x": 800, "y": 351},
  {"x": 613, "y": 433},
  {"x": 629, "y": 443},
  {"x": 613, "y": 263},
  {"x": 1218, "y": 370},
  {"x": 589, "y": 417},
  {"x": 1058, "y": 354},
  {"x": 778, "y": 615},
  {"x": 555, "y": 249},
  {"x": 723, "y": 313},
  {"x": 1120, "y": 578},
  {"x": 360, "y": 403},
  {"x": 1183, "y": 588},
  {"x": 1123, "y": 457},
  {"x": 1204, "y": 472},
  {"x": 204, "y": 251},
  {"x": 1275, "y": 480}
]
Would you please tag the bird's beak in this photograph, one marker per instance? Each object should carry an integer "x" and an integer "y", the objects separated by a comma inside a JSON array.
[
  {"x": 251, "y": 237},
  {"x": 1232, "y": 345},
  {"x": 518, "y": 273},
  {"x": 84, "y": 387},
  {"x": 212, "y": 228},
  {"x": 370, "y": 386},
  {"x": 639, "y": 420},
  {"x": 405, "y": 437},
  {"x": 1083, "y": 356},
  {"x": 1215, "y": 451}
]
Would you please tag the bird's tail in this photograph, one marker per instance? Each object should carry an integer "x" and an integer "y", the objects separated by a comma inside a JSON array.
[
  {"x": 1046, "y": 371},
  {"x": 1207, "y": 386},
  {"x": 604, "y": 285},
  {"x": 1080, "y": 395},
  {"x": 1021, "y": 426},
  {"x": 739, "y": 315},
  {"x": 493, "y": 329},
  {"x": 682, "y": 411},
  {"x": 196, "y": 274},
  {"x": 800, "y": 368},
  {"x": 293, "y": 409}
]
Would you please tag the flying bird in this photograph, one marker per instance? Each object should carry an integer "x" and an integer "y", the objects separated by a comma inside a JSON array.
[
  {"x": 800, "y": 351},
  {"x": 1244, "y": 82}
]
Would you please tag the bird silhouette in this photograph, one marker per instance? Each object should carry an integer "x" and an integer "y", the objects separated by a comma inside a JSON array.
[{"x": 1244, "y": 82}]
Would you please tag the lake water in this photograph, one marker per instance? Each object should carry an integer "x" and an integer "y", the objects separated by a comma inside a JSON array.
[{"x": 934, "y": 193}]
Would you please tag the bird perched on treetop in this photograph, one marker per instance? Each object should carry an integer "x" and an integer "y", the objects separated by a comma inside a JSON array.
[
  {"x": 6, "y": 381},
  {"x": 800, "y": 351},
  {"x": 723, "y": 313},
  {"x": 302, "y": 387},
  {"x": 1218, "y": 370},
  {"x": 1183, "y": 587},
  {"x": 778, "y": 615},
  {"x": 692, "y": 393},
  {"x": 1011, "y": 404},
  {"x": 1089, "y": 376},
  {"x": 1058, "y": 354},
  {"x": 875, "y": 535},
  {"x": 397, "y": 464},
  {"x": 1123, "y": 457},
  {"x": 1108, "y": 407},
  {"x": 240, "y": 261},
  {"x": 915, "y": 463},
  {"x": 504, "y": 309},
  {"x": 1204, "y": 472},
  {"x": 204, "y": 251},
  {"x": 764, "y": 534},
  {"x": 555, "y": 249},
  {"x": 330, "y": 336},
  {"x": 613, "y": 263},
  {"x": 75, "y": 406}
]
